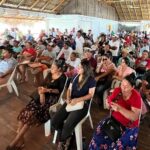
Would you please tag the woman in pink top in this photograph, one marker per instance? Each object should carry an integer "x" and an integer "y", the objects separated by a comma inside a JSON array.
[{"x": 122, "y": 71}]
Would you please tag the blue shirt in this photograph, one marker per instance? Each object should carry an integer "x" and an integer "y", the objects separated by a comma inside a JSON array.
[
  {"x": 79, "y": 92},
  {"x": 7, "y": 64}
]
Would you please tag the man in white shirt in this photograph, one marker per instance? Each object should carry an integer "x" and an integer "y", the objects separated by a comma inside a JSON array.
[
  {"x": 66, "y": 51},
  {"x": 114, "y": 46},
  {"x": 79, "y": 43},
  {"x": 72, "y": 63}
]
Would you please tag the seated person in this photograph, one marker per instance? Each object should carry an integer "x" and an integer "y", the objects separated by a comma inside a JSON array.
[
  {"x": 81, "y": 89},
  {"x": 27, "y": 55},
  {"x": 65, "y": 52},
  {"x": 145, "y": 90},
  {"x": 125, "y": 104},
  {"x": 124, "y": 54},
  {"x": 48, "y": 55},
  {"x": 142, "y": 63},
  {"x": 16, "y": 48},
  {"x": 122, "y": 71},
  {"x": 132, "y": 59},
  {"x": 88, "y": 55},
  {"x": 105, "y": 70},
  {"x": 42, "y": 62},
  {"x": 7, "y": 63},
  {"x": 36, "y": 111},
  {"x": 72, "y": 64}
]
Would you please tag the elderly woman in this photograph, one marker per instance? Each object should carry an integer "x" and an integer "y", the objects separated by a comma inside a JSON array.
[
  {"x": 81, "y": 89},
  {"x": 125, "y": 104},
  {"x": 36, "y": 111},
  {"x": 122, "y": 71}
]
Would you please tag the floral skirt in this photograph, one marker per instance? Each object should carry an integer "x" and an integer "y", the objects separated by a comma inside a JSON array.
[
  {"x": 35, "y": 113},
  {"x": 100, "y": 141}
]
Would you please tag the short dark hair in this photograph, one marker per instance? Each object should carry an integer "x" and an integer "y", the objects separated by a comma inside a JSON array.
[
  {"x": 127, "y": 61},
  {"x": 131, "y": 78},
  {"x": 67, "y": 43},
  {"x": 9, "y": 49},
  {"x": 108, "y": 55},
  {"x": 145, "y": 51}
]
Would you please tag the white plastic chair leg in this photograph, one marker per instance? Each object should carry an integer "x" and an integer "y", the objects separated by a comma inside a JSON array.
[
  {"x": 91, "y": 122},
  {"x": 15, "y": 87},
  {"x": 78, "y": 134},
  {"x": 47, "y": 128},
  {"x": 55, "y": 136},
  {"x": 9, "y": 88}
]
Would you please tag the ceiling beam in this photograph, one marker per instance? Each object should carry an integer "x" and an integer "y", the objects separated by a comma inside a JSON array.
[
  {"x": 134, "y": 10},
  {"x": 2, "y": 2},
  {"x": 148, "y": 11},
  {"x": 141, "y": 9},
  {"x": 117, "y": 12},
  {"x": 20, "y": 3},
  {"x": 128, "y": 10},
  {"x": 123, "y": 11},
  {"x": 37, "y": 1},
  {"x": 67, "y": 2},
  {"x": 45, "y": 5},
  {"x": 62, "y": 1}
]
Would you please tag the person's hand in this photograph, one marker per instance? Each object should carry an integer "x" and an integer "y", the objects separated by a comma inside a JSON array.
[
  {"x": 42, "y": 99},
  {"x": 37, "y": 59},
  {"x": 74, "y": 101},
  {"x": 96, "y": 78},
  {"x": 68, "y": 101},
  {"x": 115, "y": 106},
  {"x": 114, "y": 77},
  {"x": 42, "y": 90}
]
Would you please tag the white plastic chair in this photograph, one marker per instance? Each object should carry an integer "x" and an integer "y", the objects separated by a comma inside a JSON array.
[
  {"x": 78, "y": 129},
  {"x": 47, "y": 125},
  {"x": 10, "y": 83}
]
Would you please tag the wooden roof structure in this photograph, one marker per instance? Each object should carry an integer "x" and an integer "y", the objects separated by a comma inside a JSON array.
[
  {"x": 127, "y": 10},
  {"x": 48, "y": 6},
  {"x": 131, "y": 10}
]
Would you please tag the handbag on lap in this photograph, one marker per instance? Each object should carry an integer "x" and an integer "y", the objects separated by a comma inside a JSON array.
[
  {"x": 112, "y": 128},
  {"x": 77, "y": 106}
]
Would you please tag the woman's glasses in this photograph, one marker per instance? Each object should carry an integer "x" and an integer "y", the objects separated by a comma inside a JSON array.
[{"x": 104, "y": 59}]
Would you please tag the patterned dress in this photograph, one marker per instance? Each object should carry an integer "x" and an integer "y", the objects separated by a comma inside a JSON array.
[
  {"x": 100, "y": 141},
  {"x": 128, "y": 139},
  {"x": 34, "y": 113}
]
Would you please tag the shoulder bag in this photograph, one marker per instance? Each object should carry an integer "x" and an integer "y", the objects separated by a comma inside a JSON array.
[{"x": 112, "y": 128}]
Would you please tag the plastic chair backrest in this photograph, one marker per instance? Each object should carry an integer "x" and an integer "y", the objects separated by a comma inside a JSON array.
[
  {"x": 60, "y": 98},
  {"x": 89, "y": 108},
  {"x": 12, "y": 74},
  {"x": 140, "y": 112}
]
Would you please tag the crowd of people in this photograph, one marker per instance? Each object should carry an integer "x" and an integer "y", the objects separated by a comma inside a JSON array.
[{"x": 117, "y": 63}]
